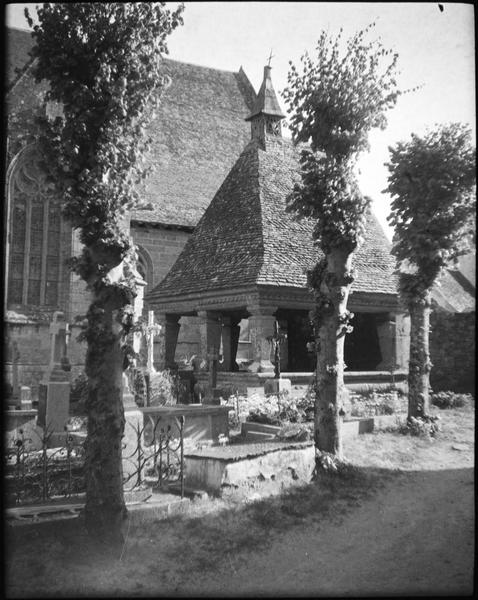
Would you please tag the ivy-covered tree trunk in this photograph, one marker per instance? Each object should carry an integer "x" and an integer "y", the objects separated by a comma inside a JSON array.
[
  {"x": 105, "y": 508},
  {"x": 419, "y": 364},
  {"x": 333, "y": 317}
]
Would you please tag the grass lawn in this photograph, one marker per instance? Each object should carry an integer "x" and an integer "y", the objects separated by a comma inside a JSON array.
[{"x": 58, "y": 559}]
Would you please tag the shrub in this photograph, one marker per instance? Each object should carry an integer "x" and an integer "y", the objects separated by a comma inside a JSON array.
[
  {"x": 296, "y": 432},
  {"x": 427, "y": 426},
  {"x": 139, "y": 387},
  {"x": 79, "y": 394},
  {"x": 162, "y": 389},
  {"x": 375, "y": 403},
  {"x": 450, "y": 399}
]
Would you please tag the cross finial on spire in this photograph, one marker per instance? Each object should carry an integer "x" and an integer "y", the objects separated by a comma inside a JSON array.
[{"x": 270, "y": 57}]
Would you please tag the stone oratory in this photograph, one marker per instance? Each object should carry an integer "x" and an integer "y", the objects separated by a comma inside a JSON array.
[{"x": 248, "y": 257}]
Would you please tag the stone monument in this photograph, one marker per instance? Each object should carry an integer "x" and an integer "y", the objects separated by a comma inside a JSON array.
[{"x": 54, "y": 389}]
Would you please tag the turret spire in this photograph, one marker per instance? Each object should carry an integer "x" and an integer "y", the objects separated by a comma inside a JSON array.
[{"x": 266, "y": 115}]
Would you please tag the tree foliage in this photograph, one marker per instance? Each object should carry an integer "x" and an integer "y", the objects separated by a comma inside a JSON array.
[
  {"x": 432, "y": 184},
  {"x": 342, "y": 94},
  {"x": 334, "y": 103},
  {"x": 103, "y": 65}
]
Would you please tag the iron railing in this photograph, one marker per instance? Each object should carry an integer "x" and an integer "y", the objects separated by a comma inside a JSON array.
[
  {"x": 32, "y": 476},
  {"x": 41, "y": 475},
  {"x": 158, "y": 457}
]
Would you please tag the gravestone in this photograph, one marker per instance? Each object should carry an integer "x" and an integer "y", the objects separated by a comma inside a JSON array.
[
  {"x": 54, "y": 389},
  {"x": 12, "y": 388},
  {"x": 25, "y": 397}
]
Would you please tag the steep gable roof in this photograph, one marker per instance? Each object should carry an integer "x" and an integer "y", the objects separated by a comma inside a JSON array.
[
  {"x": 198, "y": 132},
  {"x": 247, "y": 237}
]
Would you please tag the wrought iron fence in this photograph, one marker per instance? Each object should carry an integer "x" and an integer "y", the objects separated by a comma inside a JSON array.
[
  {"x": 41, "y": 475},
  {"x": 158, "y": 457},
  {"x": 31, "y": 476}
]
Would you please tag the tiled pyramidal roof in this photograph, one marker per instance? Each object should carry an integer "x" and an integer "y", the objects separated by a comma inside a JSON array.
[{"x": 246, "y": 237}]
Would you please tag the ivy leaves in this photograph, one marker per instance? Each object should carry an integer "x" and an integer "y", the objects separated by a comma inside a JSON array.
[
  {"x": 432, "y": 184},
  {"x": 341, "y": 95}
]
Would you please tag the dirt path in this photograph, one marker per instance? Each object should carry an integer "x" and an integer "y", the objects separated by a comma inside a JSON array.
[{"x": 416, "y": 536}]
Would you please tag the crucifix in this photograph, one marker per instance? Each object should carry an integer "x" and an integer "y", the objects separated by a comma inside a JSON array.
[
  {"x": 276, "y": 340},
  {"x": 270, "y": 57}
]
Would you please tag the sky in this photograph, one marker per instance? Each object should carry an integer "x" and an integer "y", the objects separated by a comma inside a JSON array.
[{"x": 435, "y": 47}]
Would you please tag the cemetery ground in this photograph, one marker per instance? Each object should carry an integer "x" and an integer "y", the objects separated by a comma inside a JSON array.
[{"x": 398, "y": 521}]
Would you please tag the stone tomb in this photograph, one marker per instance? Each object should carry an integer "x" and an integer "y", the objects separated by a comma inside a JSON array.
[{"x": 54, "y": 390}]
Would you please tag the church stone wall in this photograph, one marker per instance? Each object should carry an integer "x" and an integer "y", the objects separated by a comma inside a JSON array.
[
  {"x": 163, "y": 246},
  {"x": 452, "y": 351}
]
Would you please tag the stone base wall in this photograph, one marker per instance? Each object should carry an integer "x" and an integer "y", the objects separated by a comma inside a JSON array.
[
  {"x": 452, "y": 351},
  {"x": 161, "y": 246}
]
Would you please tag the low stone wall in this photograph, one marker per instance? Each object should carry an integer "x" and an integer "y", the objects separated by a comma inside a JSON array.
[
  {"x": 246, "y": 384},
  {"x": 452, "y": 352},
  {"x": 202, "y": 423},
  {"x": 250, "y": 470}
]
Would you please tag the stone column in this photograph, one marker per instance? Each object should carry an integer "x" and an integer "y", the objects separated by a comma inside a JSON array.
[
  {"x": 402, "y": 340},
  {"x": 386, "y": 339},
  {"x": 393, "y": 334},
  {"x": 230, "y": 340},
  {"x": 168, "y": 340},
  {"x": 261, "y": 326},
  {"x": 210, "y": 327}
]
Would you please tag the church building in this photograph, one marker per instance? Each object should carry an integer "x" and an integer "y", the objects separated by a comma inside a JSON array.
[{"x": 221, "y": 257}]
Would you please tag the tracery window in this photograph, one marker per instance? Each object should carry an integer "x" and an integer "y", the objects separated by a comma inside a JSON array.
[{"x": 34, "y": 236}]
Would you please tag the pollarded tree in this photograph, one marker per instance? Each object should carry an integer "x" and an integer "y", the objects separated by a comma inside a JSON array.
[
  {"x": 103, "y": 65},
  {"x": 432, "y": 184},
  {"x": 334, "y": 103}
]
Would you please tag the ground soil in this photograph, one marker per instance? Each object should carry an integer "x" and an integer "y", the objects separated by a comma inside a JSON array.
[{"x": 405, "y": 526}]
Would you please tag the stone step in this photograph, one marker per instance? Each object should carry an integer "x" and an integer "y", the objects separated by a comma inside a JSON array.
[
  {"x": 259, "y": 427},
  {"x": 258, "y": 436}
]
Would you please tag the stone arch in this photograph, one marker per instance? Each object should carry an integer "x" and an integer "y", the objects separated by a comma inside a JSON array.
[
  {"x": 145, "y": 265},
  {"x": 33, "y": 233}
]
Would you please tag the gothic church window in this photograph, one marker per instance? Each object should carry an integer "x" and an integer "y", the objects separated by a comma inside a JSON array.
[{"x": 34, "y": 236}]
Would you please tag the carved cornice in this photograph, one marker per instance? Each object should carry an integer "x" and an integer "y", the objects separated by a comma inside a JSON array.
[{"x": 264, "y": 297}]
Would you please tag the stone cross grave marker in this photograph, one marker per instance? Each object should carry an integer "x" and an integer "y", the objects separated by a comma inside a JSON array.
[
  {"x": 54, "y": 389},
  {"x": 11, "y": 372},
  {"x": 152, "y": 330}
]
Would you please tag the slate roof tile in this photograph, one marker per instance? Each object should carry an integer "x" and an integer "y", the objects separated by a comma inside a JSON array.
[{"x": 247, "y": 237}]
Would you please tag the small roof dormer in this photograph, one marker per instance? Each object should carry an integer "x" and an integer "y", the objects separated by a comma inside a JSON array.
[{"x": 266, "y": 115}]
